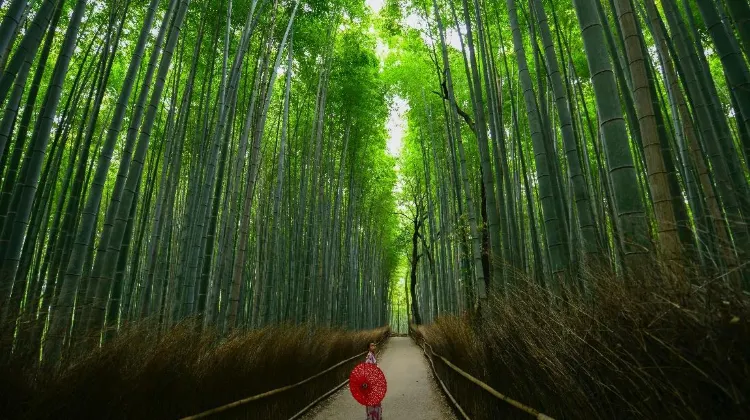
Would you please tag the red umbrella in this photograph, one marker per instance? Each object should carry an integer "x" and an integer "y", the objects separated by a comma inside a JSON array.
[{"x": 367, "y": 384}]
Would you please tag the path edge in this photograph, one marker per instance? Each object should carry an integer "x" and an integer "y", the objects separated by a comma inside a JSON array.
[{"x": 455, "y": 406}]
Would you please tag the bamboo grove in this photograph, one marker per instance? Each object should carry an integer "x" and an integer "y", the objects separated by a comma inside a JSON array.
[
  {"x": 162, "y": 160},
  {"x": 564, "y": 139},
  {"x": 225, "y": 161}
]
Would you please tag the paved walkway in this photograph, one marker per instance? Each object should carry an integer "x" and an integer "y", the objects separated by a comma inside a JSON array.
[{"x": 412, "y": 391}]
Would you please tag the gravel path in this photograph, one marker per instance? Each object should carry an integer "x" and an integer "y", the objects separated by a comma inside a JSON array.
[{"x": 412, "y": 392}]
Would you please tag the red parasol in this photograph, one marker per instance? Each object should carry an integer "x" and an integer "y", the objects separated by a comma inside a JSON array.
[{"x": 367, "y": 384}]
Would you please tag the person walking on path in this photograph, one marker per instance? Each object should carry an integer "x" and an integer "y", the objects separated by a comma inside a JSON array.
[
  {"x": 412, "y": 391},
  {"x": 373, "y": 412}
]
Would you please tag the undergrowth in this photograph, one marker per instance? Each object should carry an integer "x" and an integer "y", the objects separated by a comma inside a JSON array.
[
  {"x": 141, "y": 375},
  {"x": 628, "y": 350}
]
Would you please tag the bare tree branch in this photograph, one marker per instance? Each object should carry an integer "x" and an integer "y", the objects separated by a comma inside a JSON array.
[{"x": 467, "y": 118}]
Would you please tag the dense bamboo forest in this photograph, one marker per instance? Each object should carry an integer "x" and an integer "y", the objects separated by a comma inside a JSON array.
[
  {"x": 560, "y": 140},
  {"x": 174, "y": 159},
  {"x": 240, "y": 164}
]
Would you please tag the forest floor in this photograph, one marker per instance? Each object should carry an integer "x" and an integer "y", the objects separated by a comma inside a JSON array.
[{"x": 412, "y": 392}]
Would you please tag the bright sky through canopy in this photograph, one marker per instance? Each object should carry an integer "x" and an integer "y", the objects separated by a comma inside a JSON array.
[
  {"x": 396, "y": 125},
  {"x": 376, "y": 5}
]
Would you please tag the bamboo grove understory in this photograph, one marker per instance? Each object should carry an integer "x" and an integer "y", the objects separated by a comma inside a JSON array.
[{"x": 226, "y": 160}]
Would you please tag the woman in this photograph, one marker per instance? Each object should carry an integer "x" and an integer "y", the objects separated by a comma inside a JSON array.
[{"x": 373, "y": 412}]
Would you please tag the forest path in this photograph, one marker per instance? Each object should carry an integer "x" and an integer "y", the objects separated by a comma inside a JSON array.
[{"x": 412, "y": 392}]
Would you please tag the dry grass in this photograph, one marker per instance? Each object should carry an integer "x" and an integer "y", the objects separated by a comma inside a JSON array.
[
  {"x": 142, "y": 376},
  {"x": 644, "y": 352}
]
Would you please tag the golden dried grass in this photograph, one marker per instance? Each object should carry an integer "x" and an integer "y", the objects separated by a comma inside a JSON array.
[
  {"x": 144, "y": 375},
  {"x": 641, "y": 350}
]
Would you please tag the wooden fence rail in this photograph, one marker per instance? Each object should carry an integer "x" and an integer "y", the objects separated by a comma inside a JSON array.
[
  {"x": 484, "y": 386},
  {"x": 266, "y": 394}
]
